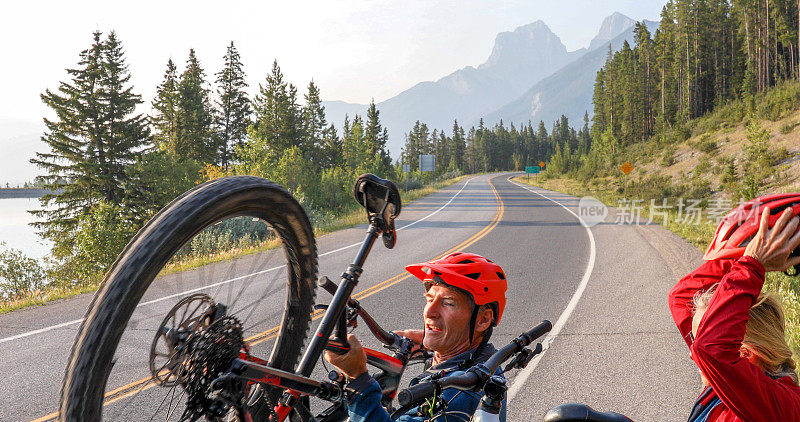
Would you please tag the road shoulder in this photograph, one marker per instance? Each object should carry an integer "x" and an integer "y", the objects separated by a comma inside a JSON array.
[{"x": 621, "y": 336}]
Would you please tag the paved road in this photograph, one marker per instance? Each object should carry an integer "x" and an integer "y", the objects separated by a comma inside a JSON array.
[{"x": 605, "y": 288}]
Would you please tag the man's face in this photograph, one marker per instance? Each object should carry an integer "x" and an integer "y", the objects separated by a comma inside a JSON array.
[{"x": 447, "y": 314}]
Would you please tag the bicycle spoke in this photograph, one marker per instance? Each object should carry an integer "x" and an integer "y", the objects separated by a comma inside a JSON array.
[
  {"x": 255, "y": 302},
  {"x": 176, "y": 406},
  {"x": 258, "y": 269},
  {"x": 170, "y": 392}
]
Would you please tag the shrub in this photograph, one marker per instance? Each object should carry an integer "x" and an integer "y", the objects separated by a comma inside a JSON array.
[
  {"x": 412, "y": 184},
  {"x": 668, "y": 156},
  {"x": 699, "y": 188},
  {"x": 758, "y": 169},
  {"x": 591, "y": 166},
  {"x": 680, "y": 133},
  {"x": 98, "y": 238},
  {"x": 778, "y": 101},
  {"x": 788, "y": 127},
  {"x": 703, "y": 166},
  {"x": 653, "y": 186},
  {"x": 779, "y": 155},
  {"x": 233, "y": 233},
  {"x": 20, "y": 275},
  {"x": 706, "y": 144}
]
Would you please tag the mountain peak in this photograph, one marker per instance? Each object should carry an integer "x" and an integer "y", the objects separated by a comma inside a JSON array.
[
  {"x": 538, "y": 25},
  {"x": 612, "y": 26},
  {"x": 533, "y": 39}
]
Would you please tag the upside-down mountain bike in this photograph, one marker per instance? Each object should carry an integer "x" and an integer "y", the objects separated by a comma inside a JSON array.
[{"x": 171, "y": 335}]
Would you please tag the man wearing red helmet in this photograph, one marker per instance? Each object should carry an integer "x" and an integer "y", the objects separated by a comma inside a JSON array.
[{"x": 465, "y": 299}]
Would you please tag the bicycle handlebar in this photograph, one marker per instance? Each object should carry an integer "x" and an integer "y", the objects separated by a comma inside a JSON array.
[
  {"x": 423, "y": 390},
  {"x": 386, "y": 337},
  {"x": 517, "y": 345},
  {"x": 476, "y": 376}
]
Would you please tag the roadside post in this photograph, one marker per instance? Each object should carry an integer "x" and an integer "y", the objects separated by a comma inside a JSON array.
[
  {"x": 531, "y": 169},
  {"x": 626, "y": 168},
  {"x": 406, "y": 170}
]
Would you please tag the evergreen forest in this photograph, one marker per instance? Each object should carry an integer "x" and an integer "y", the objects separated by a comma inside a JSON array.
[{"x": 116, "y": 158}]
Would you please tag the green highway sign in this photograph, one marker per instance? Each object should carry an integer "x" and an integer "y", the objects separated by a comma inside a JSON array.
[{"x": 532, "y": 169}]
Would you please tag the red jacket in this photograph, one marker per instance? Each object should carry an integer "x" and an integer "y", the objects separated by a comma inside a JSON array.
[{"x": 747, "y": 393}]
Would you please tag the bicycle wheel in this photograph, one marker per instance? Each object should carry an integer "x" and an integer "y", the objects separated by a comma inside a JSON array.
[{"x": 165, "y": 299}]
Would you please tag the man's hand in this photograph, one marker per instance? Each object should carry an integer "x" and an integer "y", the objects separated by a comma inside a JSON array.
[
  {"x": 771, "y": 247},
  {"x": 353, "y": 363},
  {"x": 414, "y": 335}
]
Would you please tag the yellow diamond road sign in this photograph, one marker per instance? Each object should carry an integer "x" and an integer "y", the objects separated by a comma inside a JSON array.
[
  {"x": 626, "y": 168},
  {"x": 541, "y": 163}
]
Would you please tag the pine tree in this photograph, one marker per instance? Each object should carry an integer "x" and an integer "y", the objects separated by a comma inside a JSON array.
[
  {"x": 584, "y": 138},
  {"x": 94, "y": 136},
  {"x": 165, "y": 106},
  {"x": 333, "y": 152},
  {"x": 376, "y": 137},
  {"x": 356, "y": 150},
  {"x": 278, "y": 122},
  {"x": 417, "y": 142},
  {"x": 442, "y": 153},
  {"x": 197, "y": 140},
  {"x": 458, "y": 147},
  {"x": 314, "y": 126},
  {"x": 233, "y": 105}
]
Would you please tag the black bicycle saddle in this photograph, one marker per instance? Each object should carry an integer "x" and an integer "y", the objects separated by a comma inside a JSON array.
[
  {"x": 379, "y": 196},
  {"x": 374, "y": 193},
  {"x": 574, "y": 412}
]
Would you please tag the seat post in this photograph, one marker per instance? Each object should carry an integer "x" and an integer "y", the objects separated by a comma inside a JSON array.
[{"x": 334, "y": 315}]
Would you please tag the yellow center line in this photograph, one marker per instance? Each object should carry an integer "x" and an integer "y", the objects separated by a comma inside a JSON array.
[{"x": 146, "y": 383}]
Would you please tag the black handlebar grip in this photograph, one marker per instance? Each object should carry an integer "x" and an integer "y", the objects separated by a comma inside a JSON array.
[
  {"x": 337, "y": 346},
  {"x": 543, "y": 328},
  {"x": 416, "y": 393},
  {"x": 327, "y": 284}
]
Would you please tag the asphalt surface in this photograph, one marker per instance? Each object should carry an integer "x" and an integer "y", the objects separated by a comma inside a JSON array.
[{"x": 616, "y": 349}]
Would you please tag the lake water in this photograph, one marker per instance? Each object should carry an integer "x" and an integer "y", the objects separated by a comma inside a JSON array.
[{"x": 15, "y": 230}]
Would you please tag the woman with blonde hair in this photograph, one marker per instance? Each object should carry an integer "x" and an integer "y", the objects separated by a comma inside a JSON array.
[{"x": 736, "y": 332}]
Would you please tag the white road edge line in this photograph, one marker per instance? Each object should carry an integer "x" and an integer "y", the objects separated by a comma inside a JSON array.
[
  {"x": 520, "y": 379},
  {"x": 78, "y": 321}
]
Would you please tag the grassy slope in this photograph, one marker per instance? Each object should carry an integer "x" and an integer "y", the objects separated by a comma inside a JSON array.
[
  {"x": 778, "y": 111},
  {"x": 347, "y": 220}
]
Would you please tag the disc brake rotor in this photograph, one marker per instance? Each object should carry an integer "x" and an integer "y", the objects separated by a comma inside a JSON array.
[{"x": 168, "y": 350}]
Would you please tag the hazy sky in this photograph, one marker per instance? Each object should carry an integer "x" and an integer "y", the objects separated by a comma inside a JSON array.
[{"x": 353, "y": 49}]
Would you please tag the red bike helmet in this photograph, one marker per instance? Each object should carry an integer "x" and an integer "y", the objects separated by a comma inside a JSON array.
[
  {"x": 484, "y": 280},
  {"x": 740, "y": 225}
]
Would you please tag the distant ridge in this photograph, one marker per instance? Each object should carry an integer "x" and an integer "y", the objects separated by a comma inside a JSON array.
[
  {"x": 567, "y": 91},
  {"x": 519, "y": 59}
]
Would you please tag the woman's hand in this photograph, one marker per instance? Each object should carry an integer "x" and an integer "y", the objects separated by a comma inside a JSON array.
[{"x": 772, "y": 247}]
